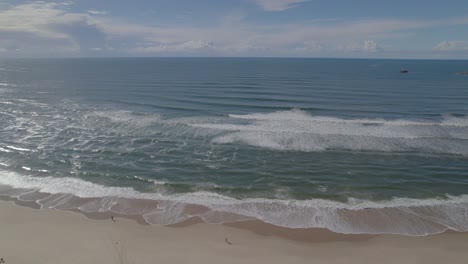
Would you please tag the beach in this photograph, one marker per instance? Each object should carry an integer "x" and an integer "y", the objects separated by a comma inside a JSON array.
[{"x": 30, "y": 235}]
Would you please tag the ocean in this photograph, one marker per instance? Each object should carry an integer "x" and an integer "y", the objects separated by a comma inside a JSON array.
[{"x": 351, "y": 145}]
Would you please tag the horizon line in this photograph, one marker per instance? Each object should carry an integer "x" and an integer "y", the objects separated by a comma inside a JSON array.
[{"x": 232, "y": 57}]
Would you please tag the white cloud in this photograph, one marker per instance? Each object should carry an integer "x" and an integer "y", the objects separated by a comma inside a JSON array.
[
  {"x": 97, "y": 12},
  {"x": 188, "y": 46},
  {"x": 278, "y": 5},
  {"x": 343, "y": 47},
  {"x": 311, "y": 46},
  {"x": 33, "y": 18},
  {"x": 196, "y": 45},
  {"x": 234, "y": 17},
  {"x": 39, "y": 28},
  {"x": 371, "y": 46},
  {"x": 451, "y": 45},
  {"x": 44, "y": 28}
]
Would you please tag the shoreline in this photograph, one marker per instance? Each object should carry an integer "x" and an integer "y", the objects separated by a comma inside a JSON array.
[
  {"x": 51, "y": 236},
  {"x": 255, "y": 226},
  {"x": 424, "y": 218}
]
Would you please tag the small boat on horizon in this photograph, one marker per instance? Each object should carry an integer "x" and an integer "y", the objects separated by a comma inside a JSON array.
[{"x": 403, "y": 70}]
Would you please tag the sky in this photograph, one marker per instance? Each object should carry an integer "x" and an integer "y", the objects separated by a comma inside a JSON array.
[{"x": 235, "y": 28}]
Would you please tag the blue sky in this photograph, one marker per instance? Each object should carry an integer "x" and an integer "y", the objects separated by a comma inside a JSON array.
[{"x": 239, "y": 28}]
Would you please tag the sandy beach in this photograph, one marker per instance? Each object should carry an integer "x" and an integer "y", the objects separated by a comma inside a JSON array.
[{"x": 30, "y": 235}]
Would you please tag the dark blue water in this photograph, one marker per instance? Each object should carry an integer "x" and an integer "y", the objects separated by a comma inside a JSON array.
[{"x": 294, "y": 142}]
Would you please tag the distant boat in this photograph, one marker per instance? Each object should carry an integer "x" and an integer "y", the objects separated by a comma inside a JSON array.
[
  {"x": 462, "y": 73},
  {"x": 404, "y": 71}
]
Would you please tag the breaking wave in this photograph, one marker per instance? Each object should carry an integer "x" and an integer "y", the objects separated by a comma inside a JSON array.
[
  {"x": 297, "y": 130},
  {"x": 397, "y": 216}
]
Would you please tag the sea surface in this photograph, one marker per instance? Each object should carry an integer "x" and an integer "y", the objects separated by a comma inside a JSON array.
[{"x": 349, "y": 145}]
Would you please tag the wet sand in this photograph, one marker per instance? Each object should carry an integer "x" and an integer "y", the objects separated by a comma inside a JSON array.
[{"x": 28, "y": 235}]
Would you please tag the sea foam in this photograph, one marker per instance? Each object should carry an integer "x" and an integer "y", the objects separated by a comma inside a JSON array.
[
  {"x": 397, "y": 216},
  {"x": 297, "y": 130}
]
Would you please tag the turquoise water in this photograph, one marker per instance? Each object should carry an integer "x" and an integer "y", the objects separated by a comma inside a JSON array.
[{"x": 294, "y": 142}]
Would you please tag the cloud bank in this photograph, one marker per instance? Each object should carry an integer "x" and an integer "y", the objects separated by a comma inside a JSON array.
[{"x": 451, "y": 45}]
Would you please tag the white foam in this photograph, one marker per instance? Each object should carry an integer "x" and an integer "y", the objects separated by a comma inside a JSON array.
[
  {"x": 298, "y": 131},
  {"x": 4, "y": 150},
  {"x": 128, "y": 117},
  {"x": 153, "y": 181},
  {"x": 20, "y": 149},
  {"x": 72, "y": 186},
  {"x": 396, "y": 216},
  {"x": 299, "y": 115},
  {"x": 85, "y": 189}
]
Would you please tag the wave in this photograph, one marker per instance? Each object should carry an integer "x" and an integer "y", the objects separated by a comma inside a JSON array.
[
  {"x": 5, "y": 150},
  {"x": 128, "y": 117},
  {"x": 297, "y": 130},
  {"x": 19, "y": 149},
  {"x": 293, "y": 130},
  {"x": 397, "y": 216}
]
